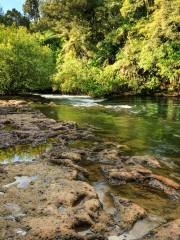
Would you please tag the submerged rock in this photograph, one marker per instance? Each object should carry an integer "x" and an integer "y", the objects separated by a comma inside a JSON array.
[
  {"x": 168, "y": 182},
  {"x": 119, "y": 175},
  {"x": 108, "y": 154},
  {"x": 122, "y": 175},
  {"x": 146, "y": 160},
  {"x": 58, "y": 203}
]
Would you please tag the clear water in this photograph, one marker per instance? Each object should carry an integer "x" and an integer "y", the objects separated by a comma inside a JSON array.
[
  {"x": 145, "y": 125},
  {"x": 22, "y": 153}
]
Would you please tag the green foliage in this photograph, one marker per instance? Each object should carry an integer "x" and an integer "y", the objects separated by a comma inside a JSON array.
[
  {"x": 75, "y": 76},
  {"x": 101, "y": 47},
  {"x": 133, "y": 9},
  {"x": 25, "y": 65},
  {"x": 131, "y": 46},
  {"x": 78, "y": 76},
  {"x": 13, "y": 17}
]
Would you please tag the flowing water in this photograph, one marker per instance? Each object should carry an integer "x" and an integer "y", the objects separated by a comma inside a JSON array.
[{"x": 145, "y": 125}]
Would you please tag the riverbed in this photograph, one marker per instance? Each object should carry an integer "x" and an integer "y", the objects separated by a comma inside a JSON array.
[
  {"x": 146, "y": 126},
  {"x": 114, "y": 136}
]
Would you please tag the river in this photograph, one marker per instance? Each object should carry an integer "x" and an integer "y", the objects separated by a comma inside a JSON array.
[{"x": 145, "y": 125}]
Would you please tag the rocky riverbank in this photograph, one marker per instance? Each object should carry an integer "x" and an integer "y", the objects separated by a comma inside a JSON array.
[{"x": 51, "y": 197}]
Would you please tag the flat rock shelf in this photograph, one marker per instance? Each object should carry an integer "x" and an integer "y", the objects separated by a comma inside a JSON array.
[{"x": 60, "y": 180}]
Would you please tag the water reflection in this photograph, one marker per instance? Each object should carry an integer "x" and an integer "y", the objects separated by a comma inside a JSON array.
[
  {"x": 22, "y": 153},
  {"x": 145, "y": 125}
]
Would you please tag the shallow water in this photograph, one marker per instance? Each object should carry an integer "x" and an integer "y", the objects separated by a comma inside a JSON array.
[
  {"x": 140, "y": 229},
  {"x": 150, "y": 126},
  {"x": 145, "y": 125},
  {"x": 22, "y": 153}
]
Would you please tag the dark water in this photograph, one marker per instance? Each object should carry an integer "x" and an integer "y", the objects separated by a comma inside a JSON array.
[{"x": 145, "y": 125}]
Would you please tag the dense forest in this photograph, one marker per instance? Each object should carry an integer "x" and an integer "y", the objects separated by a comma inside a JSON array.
[{"x": 94, "y": 47}]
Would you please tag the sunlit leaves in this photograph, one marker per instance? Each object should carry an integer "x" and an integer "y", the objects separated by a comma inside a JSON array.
[{"x": 25, "y": 65}]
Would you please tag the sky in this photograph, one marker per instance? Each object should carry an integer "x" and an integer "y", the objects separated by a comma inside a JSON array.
[{"x": 9, "y": 4}]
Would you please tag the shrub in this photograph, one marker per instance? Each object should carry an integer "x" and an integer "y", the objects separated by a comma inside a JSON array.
[{"x": 25, "y": 65}]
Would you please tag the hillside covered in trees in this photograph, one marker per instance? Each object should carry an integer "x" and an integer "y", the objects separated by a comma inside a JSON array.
[{"x": 95, "y": 47}]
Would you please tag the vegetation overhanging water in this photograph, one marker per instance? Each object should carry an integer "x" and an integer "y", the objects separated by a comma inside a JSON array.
[{"x": 97, "y": 48}]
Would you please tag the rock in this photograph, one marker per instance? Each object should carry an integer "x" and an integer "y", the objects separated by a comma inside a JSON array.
[
  {"x": 2, "y": 170},
  {"x": 70, "y": 193},
  {"x": 168, "y": 182},
  {"x": 128, "y": 213},
  {"x": 169, "y": 231},
  {"x": 96, "y": 237},
  {"x": 122, "y": 175},
  {"x": 108, "y": 154},
  {"x": 92, "y": 205},
  {"x": 69, "y": 163},
  {"x": 118, "y": 175},
  {"x": 50, "y": 228},
  {"x": 56, "y": 205},
  {"x": 12, "y": 102},
  {"x": 52, "y": 104},
  {"x": 71, "y": 155},
  {"x": 32, "y": 127},
  {"x": 146, "y": 160},
  {"x": 155, "y": 184}
]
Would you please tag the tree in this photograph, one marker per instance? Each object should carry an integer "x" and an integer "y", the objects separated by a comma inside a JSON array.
[
  {"x": 1, "y": 11},
  {"x": 15, "y": 17},
  {"x": 25, "y": 65},
  {"x": 106, "y": 46},
  {"x": 133, "y": 45},
  {"x": 31, "y": 8},
  {"x": 1, "y": 15}
]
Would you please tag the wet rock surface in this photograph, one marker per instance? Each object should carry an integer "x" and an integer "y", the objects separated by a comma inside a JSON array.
[
  {"x": 52, "y": 198},
  {"x": 167, "y": 231},
  {"x": 45, "y": 199},
  {"x": 122, "y": 174},
  {"x": 29, "y": 126},
  {"x": 127, "y": 212}
]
